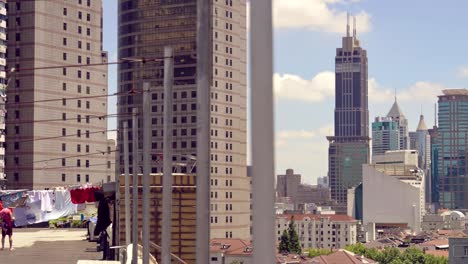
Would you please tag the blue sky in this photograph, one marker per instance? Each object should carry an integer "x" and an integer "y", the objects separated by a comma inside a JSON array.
[{"x": 415, "y": 47}]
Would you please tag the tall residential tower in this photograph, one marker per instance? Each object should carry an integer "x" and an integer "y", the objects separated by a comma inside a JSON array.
[
  {"x": 349, "y": 147},
  {"x": 57, "y": 123},
  {"x": 145, "y": 28}
]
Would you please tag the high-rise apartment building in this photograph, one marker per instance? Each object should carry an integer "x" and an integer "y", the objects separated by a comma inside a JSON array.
[
  {"x": 56, "y": 116},
  {"x": 397, "y": 115},
  {"x": 449, "y": 160},
  {"x": 145, "y": 28},
  {"x": 349, "y": 147},
  {"x": 385, "y": 135},
  {"x": 3, "y": 84}
]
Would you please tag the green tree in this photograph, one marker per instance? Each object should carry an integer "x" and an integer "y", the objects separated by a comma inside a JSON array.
[
  {"x": 294, "y": 244},
  {"x": 284, "y": 242},
  {"x": 315, "y": 252}
]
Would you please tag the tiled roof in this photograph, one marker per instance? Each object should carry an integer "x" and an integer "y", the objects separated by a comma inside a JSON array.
[
  {"x": 231, "y": 246},
  {"x": 438, "y": 253},
  {"x": 301, "y": 217},
  {"x": 342, "y": 257},
  {"x": 437, "y": 242}
]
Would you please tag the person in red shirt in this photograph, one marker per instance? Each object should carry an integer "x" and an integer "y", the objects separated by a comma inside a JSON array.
[{"x": 7, "y": 226}]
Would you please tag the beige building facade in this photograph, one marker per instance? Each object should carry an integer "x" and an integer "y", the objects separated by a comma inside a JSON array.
[
  {"x": 145, "y": 28},
  {"x": 320, "y": 231},
  {"x": 57, "y": 123},
  {"x": 393, "y": 191}
]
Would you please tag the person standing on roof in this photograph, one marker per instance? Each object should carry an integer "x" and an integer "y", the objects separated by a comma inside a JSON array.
[{"x": 7, "y": 226}]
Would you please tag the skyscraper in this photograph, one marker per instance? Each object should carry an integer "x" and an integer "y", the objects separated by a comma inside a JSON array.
[
  {"x": 145, "y": 28},
  {"x": 349, "y": 147},
  {"x": 57, "y": 125},
  {"x": 423, "y": 145},
  {"x": 385, "y": 135},
  {"x": 397, "y": 115},
  {"x": 450, "y": 186}
]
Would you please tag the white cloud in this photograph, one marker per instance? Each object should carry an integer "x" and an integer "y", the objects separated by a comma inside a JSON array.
[
  {"x": 293, "y": 87},
  {"x": 317, "y": 15},
  {"x": 422, "y": 91},
  {"x": 377, "y": 93},
  {"x": 322, "y": 86},
  {"x": 299, "y": 134},
  {"x": 463, "y": 72}
]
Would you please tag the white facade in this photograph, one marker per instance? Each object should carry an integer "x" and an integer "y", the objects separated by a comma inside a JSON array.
[
  {"x": 393, "y": 190},
  {"x": 320, "y": 231}
]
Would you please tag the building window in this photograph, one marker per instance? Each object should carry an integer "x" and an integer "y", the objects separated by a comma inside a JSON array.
[
  {"x": 88, "y": 31},
  {"x": 79, "y": 44},
  {"x": 88, "y": 17},
  {"x": 17, "y": 52},
  {"x": 64, "y": 162},
  {"x": 18, "y": 36},
  {"x": 63, "y": 177},
  {"x": 64, "y": 41},
  {"x": 79, "y": 29},
  {"x": 65, "y": 26},
  {"x": 64, "y": 147},
  {"x": 64, "y": 56},
  {"x": 465, "y": 249},
  {"x": 64, "y": 11},
  {"x": 87, "y": 178},
  {"x": 16, "y": 175},
  {"x": 78, "y": 177},
  {"x": 80, "y": 15}
]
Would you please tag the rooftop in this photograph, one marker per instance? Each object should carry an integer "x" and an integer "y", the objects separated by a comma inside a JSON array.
[
  {"x": 395, "y": 111},
  {"x": 303, "y": 217},
  {"x": 231, "y": 246},
  {"x": 455, "y": 92},
  {"x": 342, "y": 256}
]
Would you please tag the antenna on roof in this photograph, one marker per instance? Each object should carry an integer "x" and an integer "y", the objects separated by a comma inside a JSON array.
[
  {"x": 395, "y": 95},
  {"x": 354, "y": 27},
  {"x": 347, "y": 24}
]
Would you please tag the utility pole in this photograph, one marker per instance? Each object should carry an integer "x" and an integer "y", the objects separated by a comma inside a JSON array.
[
  {"x": 135, "y": 186},
  {"x": 146, "y": 169},
  {"x": 167, "y": 158},
  {"x": 204, "y": 57},
  {"x": 261, "y": 76},
  {"x": 127, "y": 185}
]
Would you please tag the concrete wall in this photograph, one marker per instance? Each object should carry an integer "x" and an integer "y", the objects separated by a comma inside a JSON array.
[{"x": 389, "y": 200}]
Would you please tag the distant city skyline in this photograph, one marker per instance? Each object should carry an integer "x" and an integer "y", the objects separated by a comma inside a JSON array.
[{"x": 304, "y": 66}]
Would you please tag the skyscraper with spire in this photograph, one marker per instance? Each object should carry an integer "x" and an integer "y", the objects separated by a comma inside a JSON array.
[
  {"x": 349, "y": 147},
  {"x": 397, "y": 115},
  {"x": 423, "y": 145}
]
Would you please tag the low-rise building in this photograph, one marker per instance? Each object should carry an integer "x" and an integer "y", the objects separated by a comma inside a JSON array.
[
  {"x": 226, "y": 251},
  {"x": 458, "y": 250},
  {"x": 393, "y": 191},
  {"x": 448, "y": 220},
  {"x": 320, "y": 231}
]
